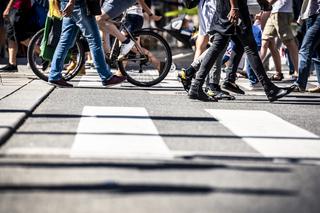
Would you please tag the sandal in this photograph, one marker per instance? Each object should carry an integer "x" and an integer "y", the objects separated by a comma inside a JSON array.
[{"x": 276, "y": 77}]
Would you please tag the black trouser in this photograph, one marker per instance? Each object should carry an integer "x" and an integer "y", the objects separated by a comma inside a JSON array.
[{"x": 244, "y": 33}]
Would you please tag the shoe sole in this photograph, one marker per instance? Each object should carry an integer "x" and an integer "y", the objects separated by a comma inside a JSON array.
[
  {"x": 288, "y": 91},
  {"x": 58, "y": 85},
  {"x": 233, "y": 90},
  {"x": 203, "y": 100},
  {"x": 111, "y": 85}
]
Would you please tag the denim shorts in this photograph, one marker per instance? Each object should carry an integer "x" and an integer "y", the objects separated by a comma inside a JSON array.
[{"x": 114, "y": 8}]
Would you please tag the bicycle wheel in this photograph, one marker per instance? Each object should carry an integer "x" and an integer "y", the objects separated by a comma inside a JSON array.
[
  {"x": 41, "y": 66},
  {"x": 150, "y": 64}
]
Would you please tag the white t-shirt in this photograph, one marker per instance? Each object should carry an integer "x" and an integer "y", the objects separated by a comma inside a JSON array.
[{"x": 282, "y": 6}]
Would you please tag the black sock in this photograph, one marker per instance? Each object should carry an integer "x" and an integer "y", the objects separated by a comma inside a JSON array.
[{"x": 190, "y": 71}]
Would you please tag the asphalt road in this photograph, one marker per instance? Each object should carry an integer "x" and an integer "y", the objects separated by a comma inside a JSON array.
[{"x": 91, "y": 149}]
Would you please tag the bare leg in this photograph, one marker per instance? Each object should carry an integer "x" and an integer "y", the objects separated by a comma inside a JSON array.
[
  {"x": 103, "y": 33},
  {"x": 270, "y": 43},
  {"x": 293, "y": 52},
  {"x": 264, "y": 49},
  {"x": 275, "y": 56},
  {"x": 201, "y": 45},
  {"x": 12, "y": 50}
]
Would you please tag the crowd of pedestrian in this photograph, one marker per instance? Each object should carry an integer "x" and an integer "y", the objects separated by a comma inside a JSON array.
[{"x": 227, "y": 25}]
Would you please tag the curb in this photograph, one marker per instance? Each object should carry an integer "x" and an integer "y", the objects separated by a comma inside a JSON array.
[{"x": 17, "y": 107}]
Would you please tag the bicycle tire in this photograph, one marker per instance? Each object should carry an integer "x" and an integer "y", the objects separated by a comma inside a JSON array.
[
  {"x": 42, "y": 70},
  {"x": 148, "y": 75}
]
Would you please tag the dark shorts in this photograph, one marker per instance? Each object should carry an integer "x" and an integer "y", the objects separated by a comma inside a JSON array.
[
  {"x": 133, "y": 22},
  {"x": 17, "y": 25}
]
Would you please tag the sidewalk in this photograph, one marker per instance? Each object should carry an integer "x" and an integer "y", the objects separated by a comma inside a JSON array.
[{"x": 20, "y": 93}]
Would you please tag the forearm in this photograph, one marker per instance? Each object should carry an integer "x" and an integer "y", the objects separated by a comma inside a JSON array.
[
  {"x": 10, "y": 4},
  {"x": 234, "y": 3}
]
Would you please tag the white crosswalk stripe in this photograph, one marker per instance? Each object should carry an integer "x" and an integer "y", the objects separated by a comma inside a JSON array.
[
  {"x": 125, "y": 132},
  {"x": 269, "y": 134}
]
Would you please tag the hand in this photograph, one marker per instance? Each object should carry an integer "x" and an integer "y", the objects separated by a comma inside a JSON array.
[
  {"x": 68, "y": 9},
  {"x": 234, "y": 16},
  {"x": 5, "y": 14},
  {"x": 155, "y": 18}
]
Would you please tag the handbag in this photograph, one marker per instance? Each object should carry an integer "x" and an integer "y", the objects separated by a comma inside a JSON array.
[{"x": 51, "y": 36}]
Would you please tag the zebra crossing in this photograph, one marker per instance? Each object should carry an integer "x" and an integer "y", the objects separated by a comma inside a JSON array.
[{"x": 129, "y": 132}]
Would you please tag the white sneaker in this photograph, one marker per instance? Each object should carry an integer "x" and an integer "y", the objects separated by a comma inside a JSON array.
[{"x": 126, "y": 47}]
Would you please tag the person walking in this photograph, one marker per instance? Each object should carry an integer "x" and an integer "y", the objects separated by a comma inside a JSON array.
[
  {"x": 227, "y": 15},
  {"x": 311, "y": 44},
  {"x": 16, "y": 16},
  {"x": 77, "y": 15},
  {"x": 279, "y": 24}
]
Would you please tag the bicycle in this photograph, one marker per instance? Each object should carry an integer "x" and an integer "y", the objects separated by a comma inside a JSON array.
[
  {"x": 41, "y": 66},
  {"x": 137, "y": 66}
]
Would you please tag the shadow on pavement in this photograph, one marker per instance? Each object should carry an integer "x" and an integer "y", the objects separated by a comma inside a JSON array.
[
  {"x": 139, "y": 188},
  {"x": 169, "y": 118},
  {"x": 147, "y": 166},
  {"x": 163, "y": 135}
]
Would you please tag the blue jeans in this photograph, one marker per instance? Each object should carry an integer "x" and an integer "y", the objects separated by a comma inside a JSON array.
[
  {"x": 70, "y": 27},
  {"x": 310, "y": 43},
  {"x": 316, "y": 62},
  {"x": 251, "y": 76}
]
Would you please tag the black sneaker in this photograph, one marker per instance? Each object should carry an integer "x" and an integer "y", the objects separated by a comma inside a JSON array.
[
  {"x": 60, "y": 83},
  {"x": 218, "y": 93},
  {"x": 113, "y": 80},
  {"x": 9, "y": 68},
  {"x": 196, "y": 92},
  {"x": 277, "y": 93},
  {"x": 233, "y": 87}
]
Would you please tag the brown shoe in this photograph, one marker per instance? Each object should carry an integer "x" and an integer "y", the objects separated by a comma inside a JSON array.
[
  {"x": 113, "y": 80},
  {"x": 314, "y": 89},
  {"x": 60, "y": 83}
]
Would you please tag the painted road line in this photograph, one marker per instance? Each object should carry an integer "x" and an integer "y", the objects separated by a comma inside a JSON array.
[
  {"x": 90, "y": 79},
  {"x": 181, "y": 55},
  {"x": 158, "y": 92},
  {"x": 121, "y": 132},
  {"x": 268, "y": 134},
  {"x": 246, "y": 85}
]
